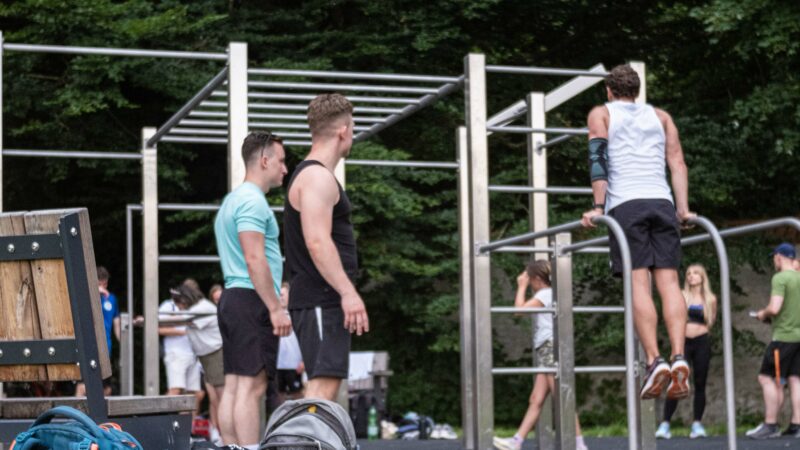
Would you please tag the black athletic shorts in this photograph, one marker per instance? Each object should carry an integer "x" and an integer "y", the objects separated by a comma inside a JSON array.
[
  {"x": 788, "y": 356},
  {"x": 324, "y": 342},
  {"x": 248, "y": 342},
  {"x": 653, "y": 232},
  {"x": 289, "y": 381}
]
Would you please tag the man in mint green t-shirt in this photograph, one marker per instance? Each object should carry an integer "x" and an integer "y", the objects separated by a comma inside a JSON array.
[
  {"x": 251, "y": 318},
  {"x": 782, "y": 358}
]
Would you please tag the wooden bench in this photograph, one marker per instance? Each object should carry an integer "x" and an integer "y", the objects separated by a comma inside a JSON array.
[{"x": 51, "y": 329}]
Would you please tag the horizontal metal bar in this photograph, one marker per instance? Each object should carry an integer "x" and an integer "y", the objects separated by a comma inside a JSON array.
[
  {"x": 523, "y": 249},
  {"x": 193, "y": 207},
  {"x": 523, "y": 370},
  {"x": 745, "y": 229},
  {"x": 114, "y": 51},
  {"x": 71, "y": 154},
  {"x": 204, "y": 123},
  {"x": 303, "y": 117},
  {"x": 188, "y": 258},
  {"x": 411, "y": 109},
  {"x": 309, "y": 97},
  {"x": 201, "y": 95},
  {"x": 304, "y": 107},
  {"x": 39, "y": 351},
  {"x": 515, "y": 310},
  {"x": 420, "y": 164},
  {"x": 298, "y": 143},
  {"x": 602, "y": 240},
  {"x": 30, "y": 247},
  {"x": 532, "y": 190},
  {"x": 208, "y": 114},
  {"x": 199, "y": 131},
  {"x": 593, "y": 250},
  {"x": 194, "y": 140},
  {"x": 289, "y": 134},
  {"x": 354, "y": 75},
  {"x": 600, "y": 369},
  {"x": 529, "y": 236},
  {"x": 528, "y": 130},
  {"x": 290, "y": 126},
  {"x": 545, "y": 71},
  {"x": 556, "y": 140},
  {"x": 341, "y": 87},
  {"x": 213, "y": 104},
  {"x": 598, "y": 309}
]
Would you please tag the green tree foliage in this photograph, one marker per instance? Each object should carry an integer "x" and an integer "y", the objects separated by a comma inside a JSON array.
[{"x": 726, "y": 70}]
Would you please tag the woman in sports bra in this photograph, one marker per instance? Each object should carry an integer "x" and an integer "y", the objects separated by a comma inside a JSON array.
[{"x": 702, "y": 311}]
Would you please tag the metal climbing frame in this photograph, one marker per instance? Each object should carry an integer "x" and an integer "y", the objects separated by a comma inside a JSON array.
[{"x": 477, "y": 370}]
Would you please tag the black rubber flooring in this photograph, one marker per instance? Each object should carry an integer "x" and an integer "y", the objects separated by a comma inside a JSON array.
[{"x": 615, "y": 443}]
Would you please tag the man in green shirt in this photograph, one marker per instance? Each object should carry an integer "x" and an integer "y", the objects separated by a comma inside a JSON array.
[{"x": 782, "y": 357}]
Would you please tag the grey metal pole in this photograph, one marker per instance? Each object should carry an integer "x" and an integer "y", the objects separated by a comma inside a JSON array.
[
  {"x": 125, "y": 359},
  {"x": 342, "y": 87},
  {"x": 78, "y": 154},
  {"x": 564, "y": 395},
  {"x": 237, "y": 111},
  {"x": 417, "y": 164},
  {"x": 475, "y": 86},
  {"x": 630, "y": 345},
  {"x": 355, "y": 75},
  {"x": 537, "y": 167},
  {"x": 150, "y": 262},
  {"x": 126, "y": 382},
  {"x": 526, "y": 130},
  {"x": 727, "y": 328},
  {"x": 115, "y": 51},
  {"x": 467, "y": 331},
  {"x": 494, "y": 245},
  {"x": 549, "y": 189},
  {"x": 545, "y": 71}
]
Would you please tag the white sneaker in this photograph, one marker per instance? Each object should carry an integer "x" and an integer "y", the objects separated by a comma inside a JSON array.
[
  {"x": 579, "y": 445},
  {"x": 663, "y": 431},
  {"x": 698, "y": 431},
  {"x": 506, "y": 443},
  {"x": 437, "y": 432},
  {"x": 447, "y": 432}
]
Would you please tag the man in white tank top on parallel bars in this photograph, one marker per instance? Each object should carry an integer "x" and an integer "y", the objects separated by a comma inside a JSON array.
[{"x": 629, "y": 146}]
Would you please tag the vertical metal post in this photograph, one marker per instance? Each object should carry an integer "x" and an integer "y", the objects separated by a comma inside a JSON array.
[
  {"x": 150, "y": 263},
  {"x": 475, "y": 85},
  {"x": 648, "y": 420},
  {"x": 537, "y": 220},
  {"x": 125, "y": 359},
  {"x": 466, "y": 314},
  {"x": 564, "y": 395},
  {"x": 126, "y": 344},
  {"x": 537, "y": 168},
  {"x": 1, "y": 135},
  {"x": 237, "y": 111}
]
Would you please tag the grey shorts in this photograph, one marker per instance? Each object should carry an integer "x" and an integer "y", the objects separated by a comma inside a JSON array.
[
  {"x": 545, "y": 356},
  {"x": 213, "y": 368}
]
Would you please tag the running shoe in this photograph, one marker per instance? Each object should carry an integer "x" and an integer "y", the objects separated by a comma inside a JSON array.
[
  {"x": 679, "y": 384},
  {"x": 793, "y": 430},
  {"x": 764, "y": 431},
  {"x": 663, "y": 431},
  {"x": 658, "y": 374},
  {"x": 437, "y": 432},
  {"x": 507, "y": 443},
  {"x": 447, "y": 432},
  {"x": 698, "y": 431},
  {"x": 579, "y": 444}
]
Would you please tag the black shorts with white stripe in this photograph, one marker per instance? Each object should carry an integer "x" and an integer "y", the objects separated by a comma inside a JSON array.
[{"x": 324, "y": 341}]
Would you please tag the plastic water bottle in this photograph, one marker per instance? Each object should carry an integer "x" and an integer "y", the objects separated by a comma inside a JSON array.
[{"x": 372, "y": 423}]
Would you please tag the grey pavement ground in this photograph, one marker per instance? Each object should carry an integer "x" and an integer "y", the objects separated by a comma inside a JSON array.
[{"x": 611, "y": 443}]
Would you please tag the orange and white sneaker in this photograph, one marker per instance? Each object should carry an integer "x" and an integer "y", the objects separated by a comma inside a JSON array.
[
  {"x": 658, "y": 375},
  {"x": 679, "y": 386}
]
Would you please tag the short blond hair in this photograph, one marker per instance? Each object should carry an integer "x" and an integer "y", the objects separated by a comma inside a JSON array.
[{"x": 325, "y": 109}]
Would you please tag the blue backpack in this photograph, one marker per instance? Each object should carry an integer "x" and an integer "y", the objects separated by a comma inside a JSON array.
[{"x": 80, "y": 433}]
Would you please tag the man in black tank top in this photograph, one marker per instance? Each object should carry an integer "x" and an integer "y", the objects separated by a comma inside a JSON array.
[{"x": 321, "y": 258}]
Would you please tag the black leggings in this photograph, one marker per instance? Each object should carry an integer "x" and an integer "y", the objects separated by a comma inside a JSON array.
[{"x": 698, "y": 354}]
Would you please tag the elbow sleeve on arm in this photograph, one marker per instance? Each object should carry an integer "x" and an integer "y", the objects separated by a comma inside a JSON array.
[{"x": 598, "y": 159}]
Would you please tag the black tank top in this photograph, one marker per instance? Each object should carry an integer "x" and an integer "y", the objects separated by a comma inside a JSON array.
[{"x": 308, "y": 289}]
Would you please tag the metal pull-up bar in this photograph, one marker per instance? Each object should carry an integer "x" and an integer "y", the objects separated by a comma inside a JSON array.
[{"x": 32, "y": 48}]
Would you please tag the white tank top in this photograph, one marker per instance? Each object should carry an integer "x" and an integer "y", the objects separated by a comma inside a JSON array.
[{"x": 636, "y": 157}]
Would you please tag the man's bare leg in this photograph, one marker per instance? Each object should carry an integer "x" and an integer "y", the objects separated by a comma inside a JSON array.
[
  {"x": 773, "y": 398},
  {"x": 225, "y": 410},
  {"x": 673, "y": 307},
  {"x": 249, "y": 393},
  {"x": 794, "y": 393},
  {"x": 325, "y": 388},
  {"x": 645, "y": 316}
]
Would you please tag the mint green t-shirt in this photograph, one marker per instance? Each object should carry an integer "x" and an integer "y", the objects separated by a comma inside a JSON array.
[
  {"x": 246, "y": 209},
  {"x": 786, "y": 325}
]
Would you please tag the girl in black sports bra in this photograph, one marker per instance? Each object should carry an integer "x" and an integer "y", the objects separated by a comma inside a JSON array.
[{"x": 702, "y": 310}]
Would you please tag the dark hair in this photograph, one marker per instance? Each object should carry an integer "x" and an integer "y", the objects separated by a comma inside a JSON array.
[
  {"x": 540, "y": 269},
  {"x": 623, "y": 81},
  {"x": 214, "y": 288},
  {"x": 102, "y": 274},
  {"x": 257, "y": 141},
  {"x": 186, "y": 295},
  {"x": 325, "y": 109}
]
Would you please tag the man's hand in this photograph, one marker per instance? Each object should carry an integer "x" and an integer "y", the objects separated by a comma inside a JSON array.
[
  {"x": 586, "y": 220},
  {"x": 355, "y": 313},
  {"x": 103, "y": 291},
  {"x": 523, "y": 280},
  {"x": 762, "y": 316},
  {"x": 684, "y": 216},
  {"x": 281, "y": 323}
]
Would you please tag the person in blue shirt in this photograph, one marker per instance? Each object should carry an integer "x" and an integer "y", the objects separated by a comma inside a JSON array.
[{"x": 110, "y": 308}]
